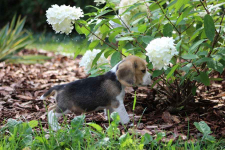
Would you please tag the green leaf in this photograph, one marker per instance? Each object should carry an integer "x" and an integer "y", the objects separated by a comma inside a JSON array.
[
  {"x": 96, "y": 58},
  {"x": 142, "y": 28},
  {"x": 125, "y": 39},
  {"x": 116, "y": 57},
  {"x": 114, "y": 34},
  {"x": 172, "y": 71},
  {"x": 78, "y": 121},
  {"x": 189, "y": 56},
  {"x": 134, "y": 103},
  {"x": 93, "y": 44},
  {"x": 121, "y": 45},
  {"x": 85, "y": 31},
  {"x": 148, "y": 138},
  {"x": 108, "y": 52},
  {"x": 187, "y": 67},
  {"x": 147, "y": 39},
  {"x": 202, "y": 60},
  {"x": 204, "y": 78},
  {"x": 167, "y": 30},
  {"x": 104, "y": 28},
  {"x": 180, "y": 3},
  {"x": 180, "y": 19},
  {"x": 203, "y": 127},
  {"x": 115, "y": 116},
  {"x": 195, "y": 45},
  {"x": 96, "y": 126},
  {"x": 155, "y": 82},
  {"x": 209, "y": 27},
  {"x": 33, "y": 123},
  {"x": 178, "y": 45},
  {"x": 78, "y": 28},
  {"x": 103, "y": 13},
  {"x": 157, "y": 73}
]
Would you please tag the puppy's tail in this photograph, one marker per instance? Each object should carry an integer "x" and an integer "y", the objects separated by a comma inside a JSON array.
[{"x": 52, "y": 91}]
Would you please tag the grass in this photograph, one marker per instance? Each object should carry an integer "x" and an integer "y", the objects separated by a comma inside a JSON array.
[
  {"x": 80, "y": 135},
  {"x": 61, "y": 43}
]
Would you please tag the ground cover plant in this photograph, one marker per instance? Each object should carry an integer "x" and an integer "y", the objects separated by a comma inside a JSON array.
[
  {"x": 81, "y": 135},
  {"x": 183, "y": 44}
]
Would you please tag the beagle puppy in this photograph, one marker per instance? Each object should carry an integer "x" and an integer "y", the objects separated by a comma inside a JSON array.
[{"x": 97, "y": 93}]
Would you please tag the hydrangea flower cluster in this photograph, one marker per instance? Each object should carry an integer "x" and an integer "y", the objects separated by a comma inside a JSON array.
[
  {"x": 62, "y": 17},
  {"x": 99, "y": 2},
  {"x": 127, "y": 17},
  {"x": 160, "y": 51},
  {"x": 88, "y": 58}
]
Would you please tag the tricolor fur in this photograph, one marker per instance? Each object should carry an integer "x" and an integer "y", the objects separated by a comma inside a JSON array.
[{"x": 98, "y": 93}]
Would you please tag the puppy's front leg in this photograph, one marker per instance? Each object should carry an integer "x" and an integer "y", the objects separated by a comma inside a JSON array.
[{"x": 124, "y": 117}]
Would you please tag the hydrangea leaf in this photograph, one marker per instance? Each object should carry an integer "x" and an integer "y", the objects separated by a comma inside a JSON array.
[
  {"x": 189, "y": 56},
  {"x": 195, "y": 45},
  {"x": 157, "y": 73},
  {"x": 96, "y": 58},
  {"x": 204, "y": 78},
  {"x": 180, "y": 3},
  {"x": 172, "y": 71},
  {"x": 147, "y": 39},
  {"x": 167, "y": 30},
  {"x": 93, "y": 44},
  {"x": 209, "y": 27},
  {"x": 116, "y": 57}
]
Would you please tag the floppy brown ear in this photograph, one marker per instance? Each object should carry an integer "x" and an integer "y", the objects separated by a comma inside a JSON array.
[{"x": 126, "y": 74}]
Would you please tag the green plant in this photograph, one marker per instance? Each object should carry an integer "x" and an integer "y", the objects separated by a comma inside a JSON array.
[
  {"x": 13, "y": 38},
  {"x": 80, "y": 135},
  {"x": 197, "y": 27}
]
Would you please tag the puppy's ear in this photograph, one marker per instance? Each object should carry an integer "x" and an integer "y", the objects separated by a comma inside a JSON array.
[{"x": 126, "y": 74}]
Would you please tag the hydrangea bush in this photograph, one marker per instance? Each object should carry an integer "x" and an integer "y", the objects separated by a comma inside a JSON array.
[{"x": 182, "y": 41}]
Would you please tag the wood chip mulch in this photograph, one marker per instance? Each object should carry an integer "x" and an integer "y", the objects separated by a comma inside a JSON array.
[{"x": 21, "y": 85}]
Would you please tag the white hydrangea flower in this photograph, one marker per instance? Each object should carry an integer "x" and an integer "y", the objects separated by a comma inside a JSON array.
[
  {"x": 88, "y": 58},
  {"x": 62, "y": 17},
  {"x": 99, "y": 2},
  {"x": 160, "y": 51},
  {"x": 124, "y": 4}
]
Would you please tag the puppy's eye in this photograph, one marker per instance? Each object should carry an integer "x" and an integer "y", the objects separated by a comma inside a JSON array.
[{"x": 143, "y": 71}]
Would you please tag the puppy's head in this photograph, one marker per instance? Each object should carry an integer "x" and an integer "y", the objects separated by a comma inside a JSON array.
[{"x": 132, "y": 71}]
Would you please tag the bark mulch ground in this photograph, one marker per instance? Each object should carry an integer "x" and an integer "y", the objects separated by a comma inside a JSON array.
[{"x": 21, "y": 85}]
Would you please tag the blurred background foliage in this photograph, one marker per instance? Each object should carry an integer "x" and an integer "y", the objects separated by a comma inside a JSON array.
[
  {"x": 35, "y": 28},
  {"x": 35, "y": 10}
]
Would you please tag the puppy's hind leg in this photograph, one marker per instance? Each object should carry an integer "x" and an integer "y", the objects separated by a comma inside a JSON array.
[{"x": 53, "y": 117}]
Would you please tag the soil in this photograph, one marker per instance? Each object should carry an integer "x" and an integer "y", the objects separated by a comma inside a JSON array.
[{"x": 21, "y": 86}]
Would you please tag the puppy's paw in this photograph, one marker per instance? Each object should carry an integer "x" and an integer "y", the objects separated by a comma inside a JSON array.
[{"x": 55, "y": 127}]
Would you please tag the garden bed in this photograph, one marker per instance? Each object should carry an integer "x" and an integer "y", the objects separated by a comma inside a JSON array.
[{"x": 21, "y": 86}]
